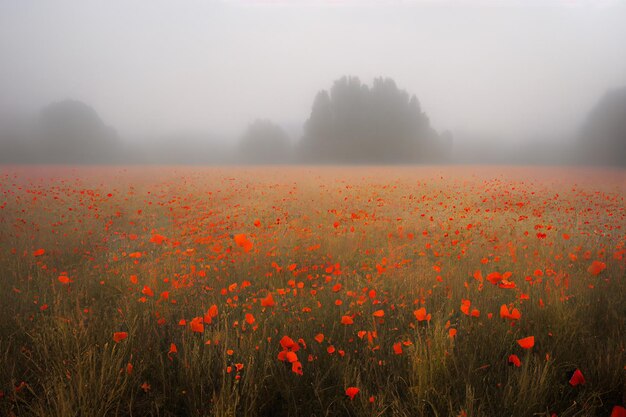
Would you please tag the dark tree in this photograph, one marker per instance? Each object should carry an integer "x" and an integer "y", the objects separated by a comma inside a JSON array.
[
  {"x": 603, "y": 137},
  {"x": 265, "y": 143},
  {"x": 359, "y": 124},
  {"x": 72, "y": 132}
]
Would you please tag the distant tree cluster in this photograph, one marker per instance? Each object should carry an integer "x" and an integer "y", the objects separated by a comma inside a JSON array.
[
  {"x": 351, "y": 123},
  {"x": 265, "y": 143},
  {"x": 603, "y": 137},
  {"x": 64, "y": 132},
  {"x": 354, "y": 123},
  {"x": 71, "y": 131}
]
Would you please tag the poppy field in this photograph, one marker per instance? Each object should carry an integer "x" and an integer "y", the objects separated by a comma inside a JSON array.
[{"x": 312, "y": 291}]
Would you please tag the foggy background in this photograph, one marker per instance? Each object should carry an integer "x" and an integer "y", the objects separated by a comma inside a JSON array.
[{"x": 148, "y": 81}]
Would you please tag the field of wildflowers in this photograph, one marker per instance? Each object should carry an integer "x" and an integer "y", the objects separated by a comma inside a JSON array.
[{"x": 312, "y": 291}]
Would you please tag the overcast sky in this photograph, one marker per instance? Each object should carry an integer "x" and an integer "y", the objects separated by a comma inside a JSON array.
[{"x": 507, "y": 68}]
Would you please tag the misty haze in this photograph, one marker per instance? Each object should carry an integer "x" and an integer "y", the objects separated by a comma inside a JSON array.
[
  {"x": 488, "y": 82},
  {"x": 313, "y": 208}
]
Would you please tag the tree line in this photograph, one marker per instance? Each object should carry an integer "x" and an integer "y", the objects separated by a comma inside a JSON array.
[{"x": 351, "y": 123}]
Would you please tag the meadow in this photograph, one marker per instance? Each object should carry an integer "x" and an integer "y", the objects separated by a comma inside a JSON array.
[{"x": 312, "y": 291}]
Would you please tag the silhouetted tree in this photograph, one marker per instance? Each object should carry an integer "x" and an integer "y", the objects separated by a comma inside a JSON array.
[
  {"x": 356, "y": 123},
  {"x": 603, "y": 137},
  {"x": 265, "y": 143},
  {"x": 71, "y": 131}
]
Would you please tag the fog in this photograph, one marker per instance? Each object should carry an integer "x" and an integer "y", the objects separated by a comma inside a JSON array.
[{"x": 501, "y": 76}]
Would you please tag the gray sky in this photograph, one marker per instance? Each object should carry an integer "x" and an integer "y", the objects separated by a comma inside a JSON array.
[{"x": 506, "y": 68}]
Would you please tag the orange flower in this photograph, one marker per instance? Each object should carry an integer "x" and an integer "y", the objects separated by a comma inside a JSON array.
[
  {"x": 514, "y": 359},
  {"x": 494, "y": 277},
  {"x": 465, "y": 307},
  {"x": 596, "y": 267},
  {"x": 420, "y": 314},
  {"x": 506, "y": 314},
  {"x": 158, "y": 239},
  {"x": 515, "y": 314},
  {"x": 618, "y": 411},
  {"x": 296, "y": 367},
  {"x": 506, "y": 284},
  {"x": 211, "y": 313},
  {"x": 379, "y": 313},
  {"x": 577, "y": 378},
  {"x": 352, "y": 392},
  {"x": 268, "y": 301},
  {"x": 527, "y": 342},
  {"x": 119, "y": 336},
  {"x": 173, "y": 349},
  {"x": 64, "y": 279},
  {"x": 346, "y": 320},
  {"x": 504, "y": 311},
  {"x": 287, "y": 343},
  {"x": 197, "y": 325},
  {"x": 242, "y": 241}
]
